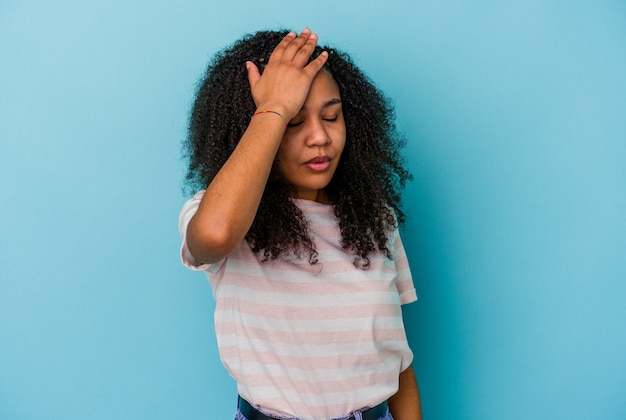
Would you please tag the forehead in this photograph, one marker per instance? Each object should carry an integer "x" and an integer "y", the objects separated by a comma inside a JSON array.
[{"x": 323, "y": 88}]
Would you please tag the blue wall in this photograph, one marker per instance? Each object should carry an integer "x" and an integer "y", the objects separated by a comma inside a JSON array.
[{"x": 514, "y": 112}]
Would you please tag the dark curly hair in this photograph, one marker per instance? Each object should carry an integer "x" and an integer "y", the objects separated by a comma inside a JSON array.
[{"x": 366, "y": 187}]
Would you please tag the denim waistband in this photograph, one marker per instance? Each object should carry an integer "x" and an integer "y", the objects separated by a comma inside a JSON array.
[{"x": 379, "y": 412}]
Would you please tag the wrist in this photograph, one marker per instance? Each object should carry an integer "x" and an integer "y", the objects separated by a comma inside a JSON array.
[
  {"x": 278, "y": 108},
  {"x": 271, "y": 111}
]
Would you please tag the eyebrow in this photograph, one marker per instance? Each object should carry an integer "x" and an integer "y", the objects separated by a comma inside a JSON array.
[
  {"x": 331, "y": 102},
  {"x": 327, "y": 104}
]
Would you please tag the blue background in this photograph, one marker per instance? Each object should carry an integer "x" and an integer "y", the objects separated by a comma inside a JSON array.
[{"x": 515, "y": 115}]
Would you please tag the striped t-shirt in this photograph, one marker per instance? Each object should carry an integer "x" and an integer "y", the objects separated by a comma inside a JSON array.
[{"x": 310, "y": 341}]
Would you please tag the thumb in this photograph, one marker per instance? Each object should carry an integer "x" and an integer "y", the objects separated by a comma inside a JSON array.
[{"x": 253, "y": 74}]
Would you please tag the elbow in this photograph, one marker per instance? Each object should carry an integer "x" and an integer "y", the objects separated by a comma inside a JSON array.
[{"x": 210, "y": 244}]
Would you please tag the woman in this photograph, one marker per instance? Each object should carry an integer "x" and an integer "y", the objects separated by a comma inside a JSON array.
[{"x": 296, "y": 158}]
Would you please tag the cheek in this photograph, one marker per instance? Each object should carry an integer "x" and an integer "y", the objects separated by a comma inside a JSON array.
[
  {"x": 340, "y": 140},
  {"x": 340, "y": 134},
  {"x": 285, "y": 157},
  {"x": 283, "y": 153}
]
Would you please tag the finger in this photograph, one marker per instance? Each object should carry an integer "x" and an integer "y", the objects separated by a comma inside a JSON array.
[
  {"x": 316, "y": 65},
  {"x": 296, "y": 44},
  {"x": 282, "y": 45},
  {"x": 304, "y": 53}
]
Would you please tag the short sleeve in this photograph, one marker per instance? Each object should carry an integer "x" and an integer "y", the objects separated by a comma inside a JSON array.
[
  {"x": 186, "y": 214},
  {"x": 404, "y": 282}
]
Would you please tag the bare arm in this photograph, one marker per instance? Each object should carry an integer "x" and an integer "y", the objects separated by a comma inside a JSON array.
[
  {"x": 405, "y": 404},
  {"x": 231, "y": 201}
]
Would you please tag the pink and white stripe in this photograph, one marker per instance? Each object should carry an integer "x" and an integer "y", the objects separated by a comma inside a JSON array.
[{"x": 315, "y": 342}]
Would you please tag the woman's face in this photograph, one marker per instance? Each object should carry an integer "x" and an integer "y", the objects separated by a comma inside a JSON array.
[{"x": 314, "y": 140}]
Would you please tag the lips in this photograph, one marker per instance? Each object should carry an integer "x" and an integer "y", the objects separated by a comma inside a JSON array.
[{"x": 318, "y": 163}]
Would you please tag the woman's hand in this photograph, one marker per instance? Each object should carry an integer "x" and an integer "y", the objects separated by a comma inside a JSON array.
[{"x": 288, "y": 75}]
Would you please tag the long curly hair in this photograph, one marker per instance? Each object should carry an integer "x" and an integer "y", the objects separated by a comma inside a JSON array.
[{"x": 366, "y": 187}]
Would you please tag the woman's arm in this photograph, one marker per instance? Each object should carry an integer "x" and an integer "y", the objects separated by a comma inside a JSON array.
[
  {"x": 231, "y": 201},
  {"x": 405, "y": 404}
]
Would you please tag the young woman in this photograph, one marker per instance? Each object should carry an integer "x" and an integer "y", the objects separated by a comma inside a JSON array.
[{"x": 295, "y": 156}]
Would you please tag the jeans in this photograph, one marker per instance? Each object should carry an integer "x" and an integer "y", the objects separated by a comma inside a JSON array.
[{"x": 386, "y": 416}]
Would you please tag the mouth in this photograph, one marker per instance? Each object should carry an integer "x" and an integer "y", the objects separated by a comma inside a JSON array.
[{"x": 318, "y": 163}]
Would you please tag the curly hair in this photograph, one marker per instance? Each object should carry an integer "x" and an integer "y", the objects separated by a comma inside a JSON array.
[{"x": 365, "y": 190}]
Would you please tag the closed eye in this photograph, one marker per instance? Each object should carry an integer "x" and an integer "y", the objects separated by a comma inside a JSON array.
[{"x": 300, "y": 122}]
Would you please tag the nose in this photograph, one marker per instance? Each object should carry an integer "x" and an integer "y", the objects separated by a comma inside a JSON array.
[{"x": 316, "y": 134}]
